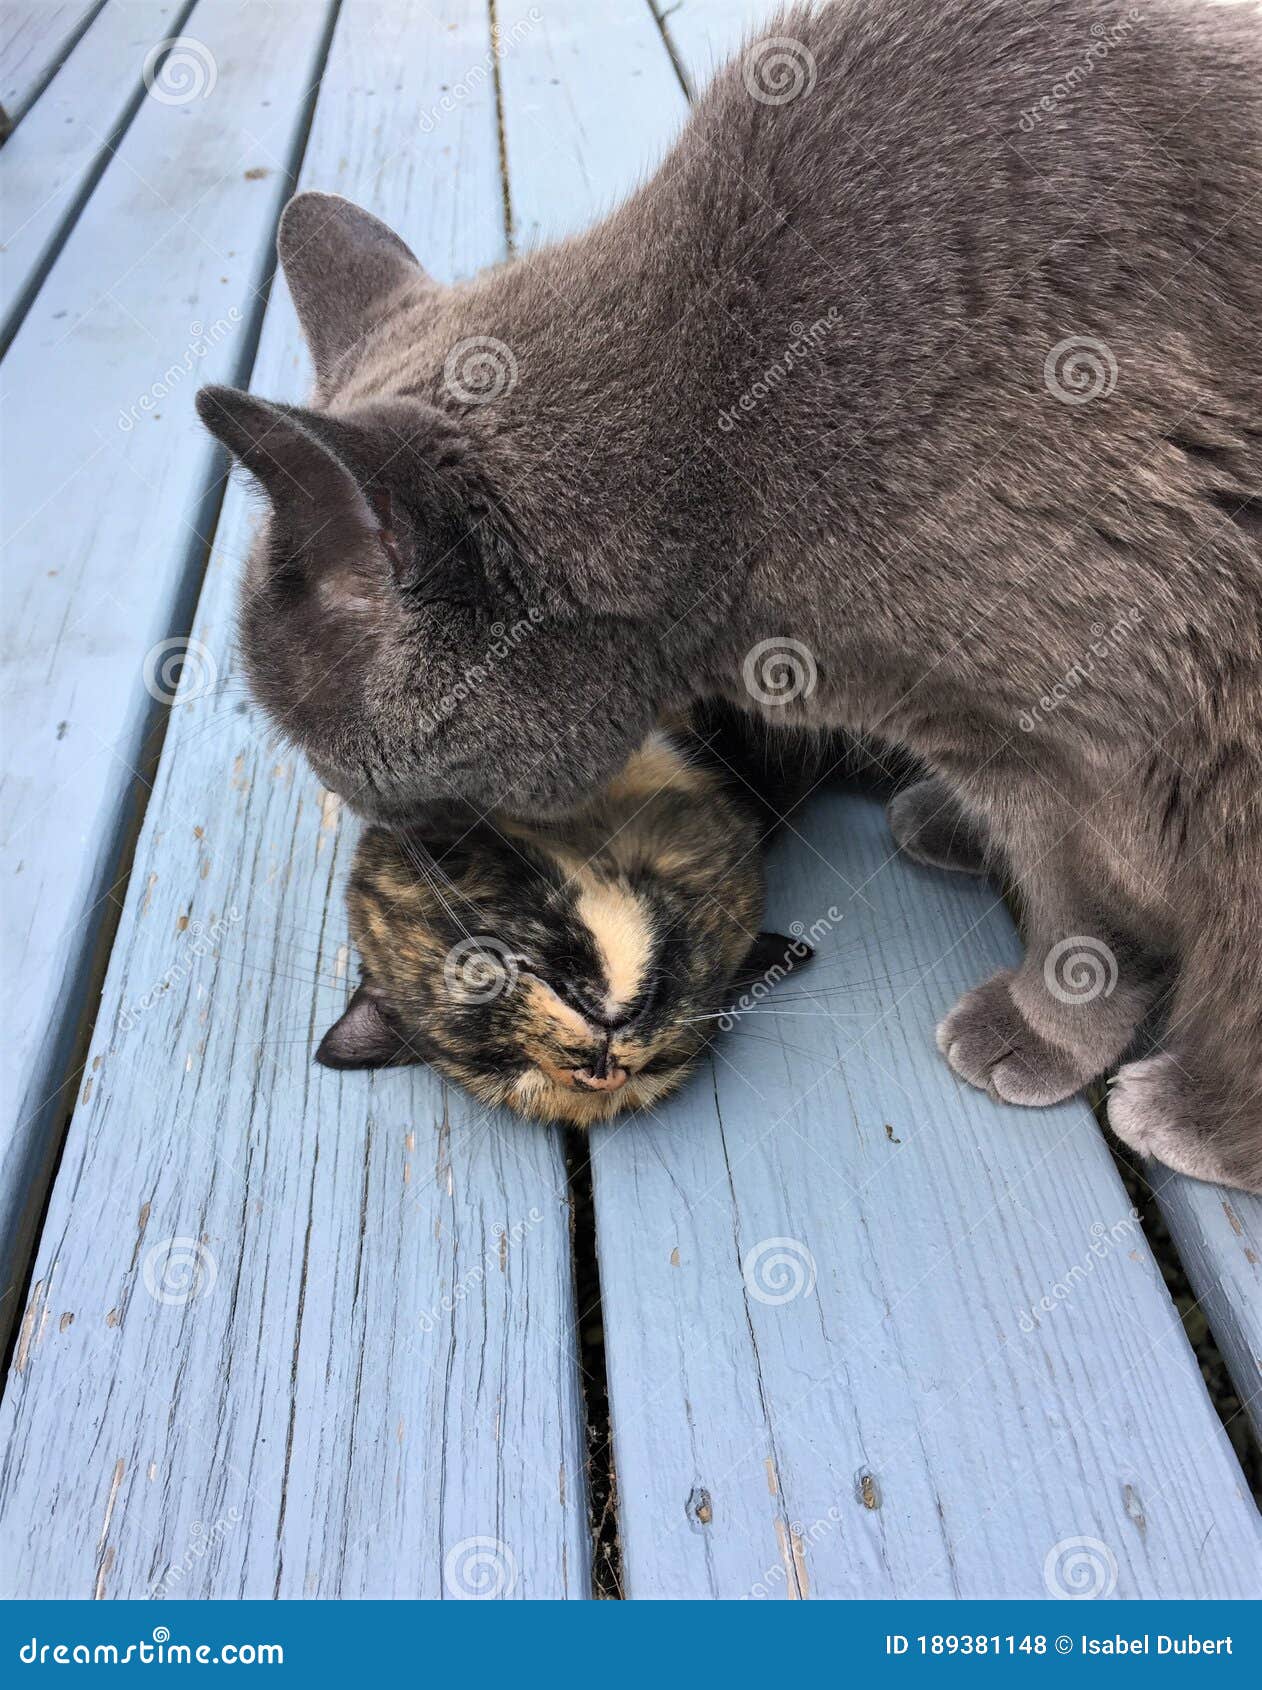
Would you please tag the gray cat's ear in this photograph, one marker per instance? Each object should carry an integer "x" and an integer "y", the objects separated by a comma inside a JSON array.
[
  {"x": 313, "y": 494},
  {"x": 362, "y": 1038},
  {"x": 342, "y": 265}
]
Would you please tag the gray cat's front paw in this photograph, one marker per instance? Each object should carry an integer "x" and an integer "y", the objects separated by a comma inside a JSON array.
[
  {"x": 1156, "y": 1107},
  {"x": 989, "y": 1043},
  {"x": 930, "y": 826}
]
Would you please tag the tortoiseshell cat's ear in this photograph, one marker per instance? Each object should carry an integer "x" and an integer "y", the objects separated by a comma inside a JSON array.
[
  {"x": 771, "y": 958},
  {"x": 342, "y": 265},
  {"x": 361, "y": 1037}
]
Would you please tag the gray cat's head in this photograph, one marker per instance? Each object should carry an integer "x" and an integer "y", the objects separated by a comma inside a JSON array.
[{"x": 406, "y": 617}]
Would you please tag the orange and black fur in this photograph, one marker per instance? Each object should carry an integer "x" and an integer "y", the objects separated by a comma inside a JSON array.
[{"x": 572, "y": 970}]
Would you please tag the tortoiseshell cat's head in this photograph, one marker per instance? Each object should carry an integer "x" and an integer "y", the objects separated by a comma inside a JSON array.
[{"x": 569, "y": 972}]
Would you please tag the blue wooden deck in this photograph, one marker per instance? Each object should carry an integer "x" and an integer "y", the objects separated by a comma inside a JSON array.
[{"x": 284, "y": 1332}]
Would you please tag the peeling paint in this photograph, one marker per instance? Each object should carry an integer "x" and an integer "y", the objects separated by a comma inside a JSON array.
[
  {"x": 120, "y": 1467},
  {"x": 29, "y": 1322}
]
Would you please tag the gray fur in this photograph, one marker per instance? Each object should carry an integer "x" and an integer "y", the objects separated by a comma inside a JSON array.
[{"x": 1054, "y": 602}]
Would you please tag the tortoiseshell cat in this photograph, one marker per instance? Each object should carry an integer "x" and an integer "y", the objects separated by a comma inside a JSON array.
[
  {"x": 930, "y": 354},
  {"x": 574, "y": 970}
]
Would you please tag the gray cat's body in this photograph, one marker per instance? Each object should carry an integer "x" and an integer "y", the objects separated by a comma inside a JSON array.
[{"x": 940, "y": 383}]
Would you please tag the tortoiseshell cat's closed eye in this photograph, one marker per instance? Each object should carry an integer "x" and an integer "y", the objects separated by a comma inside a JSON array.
[{"x": 568, "y": 971}]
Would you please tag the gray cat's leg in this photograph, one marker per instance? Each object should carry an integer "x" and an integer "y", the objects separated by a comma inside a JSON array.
[
  {"x": 1165, "y": 1112},
  {"x": 1039, "y": 1033},
  {"x": 1197, "y": 1105},
  {"x": 930, "y": 825}
]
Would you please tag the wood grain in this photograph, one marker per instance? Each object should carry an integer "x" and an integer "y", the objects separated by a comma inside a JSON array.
[
  {"x": 50, "y": 161},
  {"x": 353, "y": 1371},
  {"x": 35, "y": 36},
  {"x": 1218, "y": 1234},
  {"x": 107, "y": 490}
]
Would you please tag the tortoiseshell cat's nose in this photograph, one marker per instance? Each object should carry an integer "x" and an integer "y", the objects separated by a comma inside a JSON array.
[{"x": 611, "y": 1079}]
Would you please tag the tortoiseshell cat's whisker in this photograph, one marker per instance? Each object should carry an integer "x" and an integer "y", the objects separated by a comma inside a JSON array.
[
  {"x": 798, "y": 1050},
  {"x": 434, "y": 878}
]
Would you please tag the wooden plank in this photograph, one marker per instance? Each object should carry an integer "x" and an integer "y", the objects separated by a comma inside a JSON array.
[
  {"x": 374, "y": 1390},
  {"x": 595, "y": 143},
  {"x": 913, "y": 1422},
  {"x": 982, "y": 1364},
  {"x": 1218, "y": 1234},
  {"x": 35, "y": 37},
  {"x": 48, "y": 163},
  {"x": 103, "y": 488}
]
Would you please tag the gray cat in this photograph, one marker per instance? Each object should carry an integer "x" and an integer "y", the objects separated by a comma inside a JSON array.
[{"x": 919, "y": 393}]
